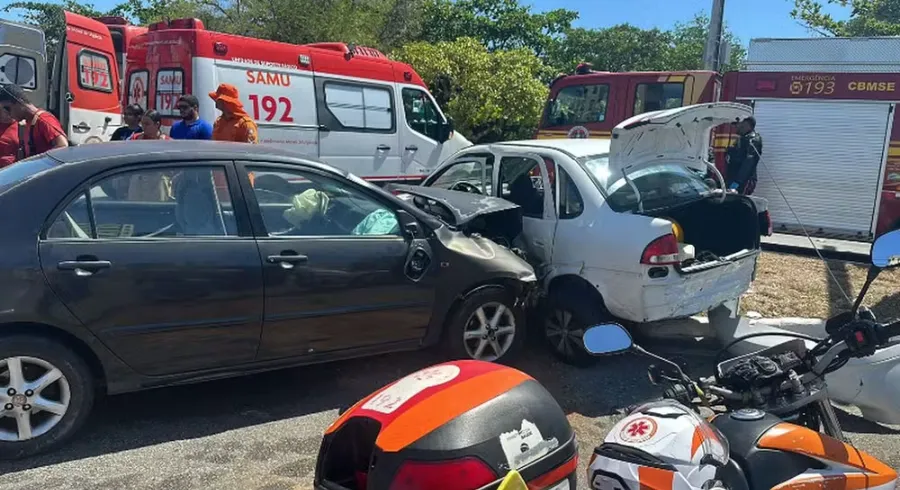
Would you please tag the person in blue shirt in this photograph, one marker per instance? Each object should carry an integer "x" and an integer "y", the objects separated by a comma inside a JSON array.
[{"x": 191, "y": 127}]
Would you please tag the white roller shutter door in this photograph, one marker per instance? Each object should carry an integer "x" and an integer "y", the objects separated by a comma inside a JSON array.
[{"x": 826, "y": 157}]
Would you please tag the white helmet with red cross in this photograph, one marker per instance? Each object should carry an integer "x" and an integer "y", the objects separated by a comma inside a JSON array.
[{"x": 659, "y": 446}]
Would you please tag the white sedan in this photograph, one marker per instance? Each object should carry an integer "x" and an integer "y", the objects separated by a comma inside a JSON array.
[{"x": 636, "y": 228}]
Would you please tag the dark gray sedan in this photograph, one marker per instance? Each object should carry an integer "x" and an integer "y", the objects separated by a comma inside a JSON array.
[{"x": 133, "y": 265}]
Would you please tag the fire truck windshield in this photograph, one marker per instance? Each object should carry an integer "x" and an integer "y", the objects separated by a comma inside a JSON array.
[{"x": 578, "y": 104}]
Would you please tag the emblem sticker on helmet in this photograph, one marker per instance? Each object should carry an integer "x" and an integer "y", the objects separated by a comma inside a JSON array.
[
  {"x": 525, "y": 445},
  {"x": 638, "y": 430},
  {"x": 394, "y": 397}
]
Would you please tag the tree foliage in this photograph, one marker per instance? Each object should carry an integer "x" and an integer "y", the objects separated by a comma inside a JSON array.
[
  {"x": 867, "y": 17},
  {"x": 490, "y": 95}
]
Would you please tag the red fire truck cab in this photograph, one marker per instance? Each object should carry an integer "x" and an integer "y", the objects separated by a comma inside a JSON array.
[{"x": 831, "y": 135}]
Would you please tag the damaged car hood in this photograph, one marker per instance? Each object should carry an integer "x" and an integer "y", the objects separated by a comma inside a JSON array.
[
  {"x": 669, "y": 136},
  {"x": 464, "y": 206}
]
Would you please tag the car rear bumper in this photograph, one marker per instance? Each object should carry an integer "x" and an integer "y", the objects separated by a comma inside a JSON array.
[{"x": 683, "y": 292}]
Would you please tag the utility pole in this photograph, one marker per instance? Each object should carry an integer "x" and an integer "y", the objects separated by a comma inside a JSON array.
[{"x": 711, "y": 53}]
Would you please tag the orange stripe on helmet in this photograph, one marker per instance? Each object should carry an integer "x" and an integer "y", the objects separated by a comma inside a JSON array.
[
  {"x": 655, "y": 479},
  {"x": 696, "y": 441},
  {"x": 446, "y": 405}
]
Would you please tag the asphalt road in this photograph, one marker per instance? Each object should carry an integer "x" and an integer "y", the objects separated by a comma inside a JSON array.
[{"x": 262, "y": 432}]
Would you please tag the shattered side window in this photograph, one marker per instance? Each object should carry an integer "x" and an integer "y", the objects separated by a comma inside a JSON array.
[{"x": 467, "y": 176}]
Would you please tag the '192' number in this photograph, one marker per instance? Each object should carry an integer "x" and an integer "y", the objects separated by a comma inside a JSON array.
[{"x": 270, "y": 107}]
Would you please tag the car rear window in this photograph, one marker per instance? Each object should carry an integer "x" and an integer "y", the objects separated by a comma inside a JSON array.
[
  {"x": 659, "y": 185},
  {"x": 19, "y": 172}
]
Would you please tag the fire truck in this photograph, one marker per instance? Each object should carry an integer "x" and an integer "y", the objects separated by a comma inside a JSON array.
[
  {"x": 346, "y": 105},
  {"x": 825, "y": 107}
]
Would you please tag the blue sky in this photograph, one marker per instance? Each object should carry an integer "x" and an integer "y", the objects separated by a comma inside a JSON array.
[{"x": 746, "y": 18}]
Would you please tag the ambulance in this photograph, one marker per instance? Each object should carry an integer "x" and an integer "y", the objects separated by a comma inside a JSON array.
[
  {"x": 349, "y": 106},
  {"x": 825, "y": 107}
]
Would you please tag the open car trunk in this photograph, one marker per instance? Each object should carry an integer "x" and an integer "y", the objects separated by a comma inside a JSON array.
[{"x": 716, "y": 231}]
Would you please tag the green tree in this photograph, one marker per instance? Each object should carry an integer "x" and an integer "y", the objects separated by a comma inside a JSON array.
[
  {"x": 619, "y": 48},
  {"x": 867, "y": 17},
  {"x": 491, "y": 95},
  {"x": 497, "y": 24},
  {"x": 688, "y": 41}
]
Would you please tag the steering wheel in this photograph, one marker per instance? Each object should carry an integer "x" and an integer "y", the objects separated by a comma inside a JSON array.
[{"x": 465, "y": 187}]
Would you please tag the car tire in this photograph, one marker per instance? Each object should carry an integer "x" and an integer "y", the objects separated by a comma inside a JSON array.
[
  {"x": 508, "y": 333},
  {"x": 69, "y": 389},
  {"x": 567, "y": 314}
]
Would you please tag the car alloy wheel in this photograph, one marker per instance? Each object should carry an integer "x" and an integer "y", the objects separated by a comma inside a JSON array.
[
  {"x": 489, "y": 332},
  {"x": 563, "y": 333},
  {"x": 34, "y": 397}
]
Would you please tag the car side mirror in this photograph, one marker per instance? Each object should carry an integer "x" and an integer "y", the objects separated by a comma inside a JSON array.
[
  {"x": 410, "y": 226},
  {"x": 445, "y": 129}
]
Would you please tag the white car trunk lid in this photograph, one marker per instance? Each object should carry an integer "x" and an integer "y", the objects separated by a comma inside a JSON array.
[{"x": 670, "y": 136}]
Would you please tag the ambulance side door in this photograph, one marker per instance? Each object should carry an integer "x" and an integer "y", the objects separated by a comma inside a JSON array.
[
  {"x": 358, "y": 126},
  {"x": 88, "y": 103}
]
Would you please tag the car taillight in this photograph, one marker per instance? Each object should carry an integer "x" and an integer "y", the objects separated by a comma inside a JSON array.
[
  {"x": 662, "y": 251},
  {"x": 458, "y": 474},
  {"x": 768, "y": 218}
]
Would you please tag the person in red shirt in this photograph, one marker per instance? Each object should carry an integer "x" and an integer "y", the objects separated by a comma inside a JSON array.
[
  {"x": 9, "y": 139},
  {"x": 42, "y": 130}
]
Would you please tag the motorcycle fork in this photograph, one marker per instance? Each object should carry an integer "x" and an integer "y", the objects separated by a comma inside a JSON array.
[{"x": 830, "y": 423}]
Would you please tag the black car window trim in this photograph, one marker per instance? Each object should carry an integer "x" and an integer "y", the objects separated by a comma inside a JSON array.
[
  {"x": 84, "y": 188},
  {"x": 259, "y": 226}
]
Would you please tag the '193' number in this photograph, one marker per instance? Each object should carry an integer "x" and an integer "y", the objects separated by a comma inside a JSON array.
[
  {"x": 270, "y": 106},
  {"x": 817, "y": 88}
]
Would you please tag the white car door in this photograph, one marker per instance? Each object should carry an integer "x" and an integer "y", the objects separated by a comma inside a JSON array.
[{"x": 522, "y": 178}]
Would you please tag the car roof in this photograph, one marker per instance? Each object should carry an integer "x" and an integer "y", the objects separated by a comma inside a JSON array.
[
  {"x": 112, "y": 154},
  {"x": 576, "y": 147}
]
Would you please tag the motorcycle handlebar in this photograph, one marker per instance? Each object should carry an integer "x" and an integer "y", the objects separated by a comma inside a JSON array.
[{"x": 886, "y": 332}]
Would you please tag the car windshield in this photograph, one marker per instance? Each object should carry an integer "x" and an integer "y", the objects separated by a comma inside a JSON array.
[
  {"x": 660, "y": 185},
  {"x": 19, "y": 172}
]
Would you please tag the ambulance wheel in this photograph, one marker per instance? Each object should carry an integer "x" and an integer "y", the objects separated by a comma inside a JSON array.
[
  {"x": 486, "y": 326},
  {"x": 567, "y": 314}
]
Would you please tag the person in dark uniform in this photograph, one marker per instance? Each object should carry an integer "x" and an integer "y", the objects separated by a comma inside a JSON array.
[{"x": 743, "y": 157}]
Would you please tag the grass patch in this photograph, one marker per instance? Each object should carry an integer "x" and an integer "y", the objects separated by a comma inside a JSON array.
[{"x": 790, "y": 285}]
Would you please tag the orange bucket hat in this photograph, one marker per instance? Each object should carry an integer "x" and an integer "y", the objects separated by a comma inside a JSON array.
[{"x": 226, "y": 93}]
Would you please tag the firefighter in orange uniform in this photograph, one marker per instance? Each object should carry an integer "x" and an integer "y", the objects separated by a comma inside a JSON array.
[{"x": 234, "y": 124}]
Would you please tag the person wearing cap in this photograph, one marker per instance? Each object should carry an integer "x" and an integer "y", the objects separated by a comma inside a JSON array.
[
  {"x": 234, "y": 124},
  {"x": 743, "y": 157}
]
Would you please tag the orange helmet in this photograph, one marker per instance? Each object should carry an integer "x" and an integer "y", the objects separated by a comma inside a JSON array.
[{"x": 460, "y": 425}]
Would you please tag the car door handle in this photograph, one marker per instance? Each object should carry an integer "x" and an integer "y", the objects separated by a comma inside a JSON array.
[
  {"x": 82, "y": 127},
  {"x": 83, "y": 268},
  {"x": 412, "y": 148},
  {"x": 287, "y": 260},
  {"x": 383, "y": 148}
]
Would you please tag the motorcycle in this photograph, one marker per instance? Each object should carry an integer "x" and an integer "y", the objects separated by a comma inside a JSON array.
[{"x": 763, "y": 421}]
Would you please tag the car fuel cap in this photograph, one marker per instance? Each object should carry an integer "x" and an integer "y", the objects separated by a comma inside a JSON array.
[{"x": 748, "y": 414}]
